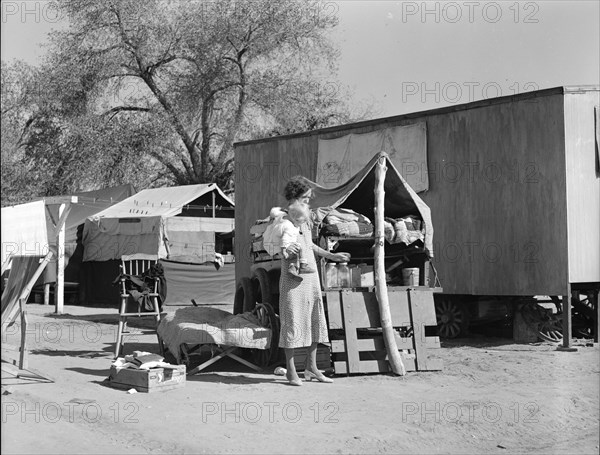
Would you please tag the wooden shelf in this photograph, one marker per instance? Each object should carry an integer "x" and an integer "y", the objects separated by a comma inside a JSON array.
[
  {"x": 391, "y": 288},
  {"x": 409, "y": 249}
]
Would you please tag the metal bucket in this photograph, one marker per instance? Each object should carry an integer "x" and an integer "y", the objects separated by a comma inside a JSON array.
[{"x": 410, "y": 276}]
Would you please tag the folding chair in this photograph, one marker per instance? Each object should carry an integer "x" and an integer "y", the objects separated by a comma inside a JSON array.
[{"x": 132, "y": 267}]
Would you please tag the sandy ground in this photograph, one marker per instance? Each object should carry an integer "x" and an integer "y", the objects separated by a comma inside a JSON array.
[{"x": 492, "y": 396}]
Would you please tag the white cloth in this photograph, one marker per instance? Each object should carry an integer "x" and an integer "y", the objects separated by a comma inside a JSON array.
[
  {"x": 24, "y": 230},
  {"x": 341, "y": 158}
]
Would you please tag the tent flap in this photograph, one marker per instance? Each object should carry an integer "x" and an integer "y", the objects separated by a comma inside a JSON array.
[{"x": 358, "y": 194}]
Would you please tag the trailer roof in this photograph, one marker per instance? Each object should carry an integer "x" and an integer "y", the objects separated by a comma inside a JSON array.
[{"x": 442, "y": 110}]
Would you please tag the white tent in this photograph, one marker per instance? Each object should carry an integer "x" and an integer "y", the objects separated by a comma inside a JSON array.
[{"x": 160, "y": 222}]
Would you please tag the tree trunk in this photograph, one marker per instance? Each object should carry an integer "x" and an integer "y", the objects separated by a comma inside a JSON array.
[
  {"x": 179, "y": 128},
  {"x": 380, "y": 284}
]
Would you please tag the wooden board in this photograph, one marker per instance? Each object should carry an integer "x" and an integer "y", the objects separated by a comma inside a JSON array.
[
  {"x": 323, "y": 357},
  {"x": 423, "y": 315},
  {"x": 357, "y": 344}
]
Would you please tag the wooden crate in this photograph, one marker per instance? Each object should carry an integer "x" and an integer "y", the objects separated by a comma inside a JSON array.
[
  {"x": 357, "y": 343},
  {"x": 152, "y": 380},
  {"x": 323, "y": 357}
]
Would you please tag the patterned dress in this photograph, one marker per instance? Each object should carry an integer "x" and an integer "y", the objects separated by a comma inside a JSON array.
[{"x": 301, "y": 311}]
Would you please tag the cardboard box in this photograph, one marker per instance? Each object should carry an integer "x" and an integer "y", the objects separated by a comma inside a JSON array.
[{"x": 152, "y": 380}]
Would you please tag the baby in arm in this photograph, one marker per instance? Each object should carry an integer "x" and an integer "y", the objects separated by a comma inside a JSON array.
[{"x": 297, "y": 215}]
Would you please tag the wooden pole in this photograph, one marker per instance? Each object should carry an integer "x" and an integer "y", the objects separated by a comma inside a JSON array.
[
  {"x": 46, "y": 293},
  {"x": 380, "y": 284},
  {"x": 59, "y": 290},
  {"x": 566, "y": 322}
]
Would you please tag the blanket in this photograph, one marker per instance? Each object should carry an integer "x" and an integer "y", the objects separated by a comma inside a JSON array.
[{"x": 205, "y": 325}]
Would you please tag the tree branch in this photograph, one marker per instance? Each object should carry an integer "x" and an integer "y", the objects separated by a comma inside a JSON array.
[{"x": 115, "y": 110}]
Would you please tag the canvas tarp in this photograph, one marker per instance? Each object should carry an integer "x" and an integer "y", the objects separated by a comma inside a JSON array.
[
  {"x": 341, "y": 158},
  {"x": 201, "y": 282},
  {"x": 185, "y": 281},
  {"x": 358, "y": 194},
  {"x": 24, "y": 230},
  {"x": 89, "y": 203},
  {"x": 160, "y": 202},
  {"x": 138, "y": 225}
]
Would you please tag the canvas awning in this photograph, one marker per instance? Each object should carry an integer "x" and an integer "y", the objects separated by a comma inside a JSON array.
[
  {"x": 358, "y": 194},
  {"x": 161, "y": 202}
]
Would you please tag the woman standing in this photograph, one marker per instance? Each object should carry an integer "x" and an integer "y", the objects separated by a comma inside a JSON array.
[{"x": 300, "y": 303}]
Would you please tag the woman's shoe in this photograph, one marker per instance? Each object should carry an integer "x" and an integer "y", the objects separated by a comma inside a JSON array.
[
  {"x": 309, "y": 375},
  {"x": 296, "y": 382}
]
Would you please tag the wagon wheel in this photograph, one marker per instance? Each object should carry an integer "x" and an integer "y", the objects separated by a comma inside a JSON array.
[
  {"x": 267, "y": 318},
  {"x": 547, "y": 325},
  {"x": 550, "y": 329},
  {"x": 583, "y": 313},
  {"x": 583, "y": 326},
  {"x": 451, "y": 318}
]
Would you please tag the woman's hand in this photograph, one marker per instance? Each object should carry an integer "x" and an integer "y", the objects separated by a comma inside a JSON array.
[{"x": 339, "y": 257}]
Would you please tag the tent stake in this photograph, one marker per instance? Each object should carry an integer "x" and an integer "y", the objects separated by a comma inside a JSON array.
[{"x": 381, "y": 291}]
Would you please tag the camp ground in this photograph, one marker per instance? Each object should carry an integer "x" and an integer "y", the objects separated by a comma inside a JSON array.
[{"x": 445, "y": 212}]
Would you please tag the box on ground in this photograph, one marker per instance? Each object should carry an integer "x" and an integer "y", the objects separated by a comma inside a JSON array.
[{"x": 152, "y": 380}]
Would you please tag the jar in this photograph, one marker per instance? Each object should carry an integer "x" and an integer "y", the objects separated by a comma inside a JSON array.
[
  {"x": 331, "y": 275},
  {"x": 343, "y": 275},
  {"x": 355, "y": 276}
]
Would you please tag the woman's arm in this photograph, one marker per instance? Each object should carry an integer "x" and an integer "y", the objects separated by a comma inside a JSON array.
[{"x": 336, "y": 257}]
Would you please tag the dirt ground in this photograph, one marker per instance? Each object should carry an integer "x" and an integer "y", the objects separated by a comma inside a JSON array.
[{"x": 492, "y": 396}]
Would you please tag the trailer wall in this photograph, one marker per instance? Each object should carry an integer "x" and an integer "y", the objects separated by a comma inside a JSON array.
[{"x": 583, "y": 185}]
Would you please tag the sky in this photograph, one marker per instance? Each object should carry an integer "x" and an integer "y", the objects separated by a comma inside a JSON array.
[{"x": 410, "y": 56}]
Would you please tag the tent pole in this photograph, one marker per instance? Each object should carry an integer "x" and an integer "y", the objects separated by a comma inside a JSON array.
[
  {"x": 59, "y": 291},
  {"x": 46, "y": 293},
  {"x": 381, "y": 291},
  {"x": 60, "y": 265}
]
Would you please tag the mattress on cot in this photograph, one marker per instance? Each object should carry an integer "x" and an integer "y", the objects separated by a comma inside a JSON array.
[{"x": 204, "y": 325}]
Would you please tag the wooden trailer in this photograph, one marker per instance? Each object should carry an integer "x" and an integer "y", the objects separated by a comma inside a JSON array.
[{"x": 513, "y": 184}]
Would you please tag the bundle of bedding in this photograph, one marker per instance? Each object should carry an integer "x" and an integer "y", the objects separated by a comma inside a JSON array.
[
  {"x": 405, "y": 230},
  {"x": 346, "y": 223},
  {"x": 343, "y": 222}
]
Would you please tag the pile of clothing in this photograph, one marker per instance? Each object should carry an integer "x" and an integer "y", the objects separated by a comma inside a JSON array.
[{"x": 139, "y": 288}]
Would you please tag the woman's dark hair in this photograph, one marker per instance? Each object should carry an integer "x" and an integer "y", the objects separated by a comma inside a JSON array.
[{"x": 295, "y": 188}]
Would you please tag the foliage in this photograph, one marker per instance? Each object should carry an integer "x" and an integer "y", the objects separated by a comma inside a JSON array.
[{"x": 157, "y": 92}]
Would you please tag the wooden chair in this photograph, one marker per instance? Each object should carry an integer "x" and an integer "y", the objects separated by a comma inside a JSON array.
[{"x": 134, "y": 266}]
